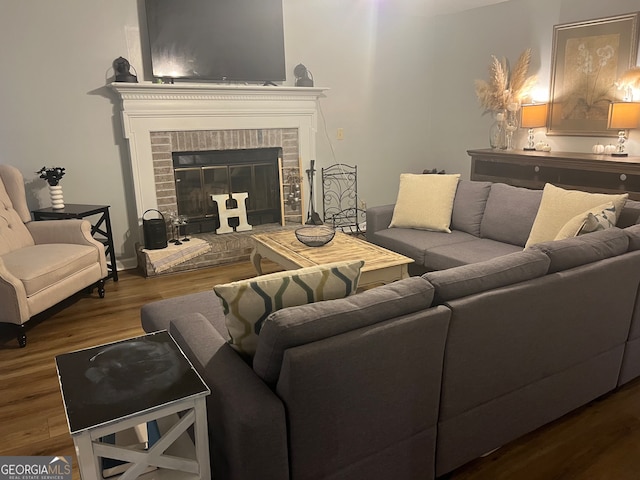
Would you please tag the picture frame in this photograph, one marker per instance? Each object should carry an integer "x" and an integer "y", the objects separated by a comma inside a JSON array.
[{"x": 588, "y": 57}]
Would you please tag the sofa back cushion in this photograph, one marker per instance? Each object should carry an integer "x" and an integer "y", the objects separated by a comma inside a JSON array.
[
  {"x": 248, "y": 303},
  {"x": 482, "y": 276},
  {"x": 468, "y": 206},
  {"x": 509, "y": 213},
  {"x": 576, "y": 251},
  {"x": 304, "y": 324},
  {"x": 630, "y": 214},
  {"x": 13, "y": 232}
]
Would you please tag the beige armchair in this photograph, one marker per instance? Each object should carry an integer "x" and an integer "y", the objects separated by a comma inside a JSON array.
[{"x": 41, "y": 263}]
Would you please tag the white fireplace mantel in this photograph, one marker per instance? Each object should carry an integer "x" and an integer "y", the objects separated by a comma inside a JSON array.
[{"x": 152, "y": 107}]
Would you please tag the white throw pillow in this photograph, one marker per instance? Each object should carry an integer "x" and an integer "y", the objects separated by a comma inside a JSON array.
[
  {"x": 558, "y": 206},
  {"x": 425, "y": 202}
]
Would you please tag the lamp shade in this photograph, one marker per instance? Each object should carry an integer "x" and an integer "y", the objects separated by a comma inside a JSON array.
[
  {"x": 624, "y": 115},
  {"x": 534, "y": 115}
]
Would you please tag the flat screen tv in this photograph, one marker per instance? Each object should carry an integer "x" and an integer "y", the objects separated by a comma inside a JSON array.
[{"x": 222, "y": 40}]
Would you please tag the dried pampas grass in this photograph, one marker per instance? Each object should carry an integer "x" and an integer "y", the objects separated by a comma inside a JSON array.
[{"x": 505, "y": 86}]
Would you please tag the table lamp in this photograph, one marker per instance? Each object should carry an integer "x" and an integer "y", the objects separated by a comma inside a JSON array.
[
  {"x": 534, "y": 115},
  {"x": 623, "y": 116}
]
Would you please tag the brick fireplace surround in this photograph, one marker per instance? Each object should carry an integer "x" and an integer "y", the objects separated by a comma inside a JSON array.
[{"x": 161, "y": 119}]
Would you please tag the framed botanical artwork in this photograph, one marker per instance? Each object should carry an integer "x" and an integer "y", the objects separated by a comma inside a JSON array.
[{"x": 588, "y": 58}]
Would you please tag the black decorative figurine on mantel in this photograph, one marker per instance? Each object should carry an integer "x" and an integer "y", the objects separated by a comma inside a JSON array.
[
  {"x": 121, "y": 66},
  {"x": 302, "y": 76}
]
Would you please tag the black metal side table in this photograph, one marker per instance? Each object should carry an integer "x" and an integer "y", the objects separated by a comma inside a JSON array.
[{"x": 100, "y": 227}]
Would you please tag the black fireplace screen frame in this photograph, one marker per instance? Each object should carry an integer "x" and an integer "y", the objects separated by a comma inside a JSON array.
[{"x": 199, "y": 174}]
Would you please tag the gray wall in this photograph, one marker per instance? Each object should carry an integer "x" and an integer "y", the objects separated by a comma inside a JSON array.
[
  {"x": 401, "y": 87},
  {"x": 460, "y": 50}
]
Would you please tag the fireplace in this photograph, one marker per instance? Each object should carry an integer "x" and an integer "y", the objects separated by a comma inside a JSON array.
[
  {"x": 159, "y": 120},
  {"x": 201, "y": 151},
  {"x": 199, "y": 175}
]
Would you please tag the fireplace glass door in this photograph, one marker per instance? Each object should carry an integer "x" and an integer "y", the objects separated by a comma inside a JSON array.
[{"x": 199, "y": 175}]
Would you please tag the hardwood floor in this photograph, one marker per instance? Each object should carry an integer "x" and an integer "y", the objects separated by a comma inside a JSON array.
[{"x": 598, "y": 441}]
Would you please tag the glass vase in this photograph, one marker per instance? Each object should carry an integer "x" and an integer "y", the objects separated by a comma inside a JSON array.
[
  {"x": 497, "y": 132},
  {"x": 511, "y": 124}
]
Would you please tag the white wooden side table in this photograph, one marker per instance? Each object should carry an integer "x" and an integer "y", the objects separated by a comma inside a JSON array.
[{"x": 112, "y": 390}]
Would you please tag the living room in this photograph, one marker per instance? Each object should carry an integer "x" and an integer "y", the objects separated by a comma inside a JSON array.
[
  {"x": 400, "y": 87},
  {"x": 381, "y": 86}
]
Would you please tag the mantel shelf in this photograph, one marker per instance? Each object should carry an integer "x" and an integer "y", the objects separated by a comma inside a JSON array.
[{"x": 192, "y": 91}]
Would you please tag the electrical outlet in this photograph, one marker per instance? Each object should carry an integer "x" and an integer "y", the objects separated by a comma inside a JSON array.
[{"x": 340, "y": 134}]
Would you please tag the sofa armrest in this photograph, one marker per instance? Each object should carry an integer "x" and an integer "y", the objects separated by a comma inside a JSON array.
[
  {"x": 13, "y": 298},
  {"x": 379, "y": 218},
  {"x": 247, "y": 425},
  {"x": 74, "y": 231}
]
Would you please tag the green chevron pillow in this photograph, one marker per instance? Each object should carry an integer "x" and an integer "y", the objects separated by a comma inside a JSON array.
[{"x": 248, "y": 303}]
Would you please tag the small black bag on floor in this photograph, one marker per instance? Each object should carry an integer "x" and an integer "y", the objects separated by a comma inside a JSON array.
[{"x": 155, "y": 231}]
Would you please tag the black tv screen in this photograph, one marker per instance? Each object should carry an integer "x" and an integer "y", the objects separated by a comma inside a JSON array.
[{"x": 224, "y": 40}]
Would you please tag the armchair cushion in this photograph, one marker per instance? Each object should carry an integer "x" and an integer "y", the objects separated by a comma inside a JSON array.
[{"x": 40, "y": 266}]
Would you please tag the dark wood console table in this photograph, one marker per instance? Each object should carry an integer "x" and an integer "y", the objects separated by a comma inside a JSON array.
[
  {"x": 100, "y": 226},
  {"x": 571, "y": 170}
]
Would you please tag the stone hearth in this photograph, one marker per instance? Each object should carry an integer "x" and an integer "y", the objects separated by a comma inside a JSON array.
[{"x": 227, "y": 248}]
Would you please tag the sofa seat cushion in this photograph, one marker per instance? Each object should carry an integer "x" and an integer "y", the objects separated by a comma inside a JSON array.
[
  {"x": 248, "y": 303},
  {"x": 479, "y": 277},
  {"x": 414, "y": 243},
  {"x": 425, "y": 202},
  {"x": 478, "y": 250},
  {"x": 558, "y": 206},
  {"x": 39, "y": 267},
  {"x": 576, "y": 251},
  {"x": 468, "y": 206},
  {"x": 509, "y": 213},
  {"x": 159, "y": 315},
  {"x": 294, "y": 326}
]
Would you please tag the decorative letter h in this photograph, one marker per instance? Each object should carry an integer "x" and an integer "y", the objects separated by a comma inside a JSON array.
[{"x": 239, "y": 212}]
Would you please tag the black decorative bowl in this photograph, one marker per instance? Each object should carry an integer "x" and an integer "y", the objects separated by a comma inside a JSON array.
[{"x": 315, "y": 235}]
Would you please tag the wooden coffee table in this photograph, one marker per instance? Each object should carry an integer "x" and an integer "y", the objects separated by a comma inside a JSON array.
[{"x": 282, "y": 247}]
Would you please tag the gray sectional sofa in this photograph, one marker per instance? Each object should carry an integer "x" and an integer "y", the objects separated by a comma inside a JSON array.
[{"x": 413, "y": 379}]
